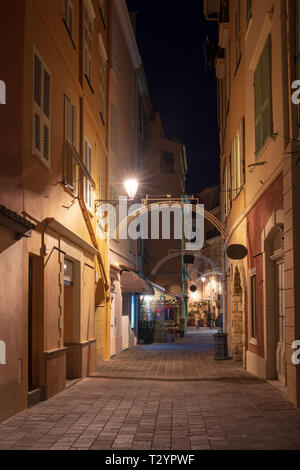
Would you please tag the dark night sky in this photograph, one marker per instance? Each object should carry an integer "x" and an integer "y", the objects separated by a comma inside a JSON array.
[{"x": 170, "y": 35}]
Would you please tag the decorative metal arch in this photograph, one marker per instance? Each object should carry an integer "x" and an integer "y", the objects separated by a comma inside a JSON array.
[
  {"x": 148, "y": 207},
  {"x": 181, "y": 253}
]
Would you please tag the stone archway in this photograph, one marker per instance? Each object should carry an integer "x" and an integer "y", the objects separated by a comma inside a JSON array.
[
  {"x": 273, "y": 259},
  {"x": 237, "y": 315}
]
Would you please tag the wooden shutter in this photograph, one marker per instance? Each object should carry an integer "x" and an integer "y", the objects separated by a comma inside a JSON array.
[
  {"x": 70, "y": 137},
  {"x": 238, "y": 34},
  {"x": 248, "y": 12},
  {"x": 263, "y": 98},
  {"x": 88, "y": 31},
  {"x": 242, "y": 152},
  {"x": 37, "y": 97},
  {"x": 87, "y": 184},
  {"x": 46, "y": 114},
  {"x": 41, "y": 108},
  {"x": 258, "y": 108},
  {"x": 267, "y": 91},
  {"x": 228, "y": 74},
  {"x": 115, "y": 49},
  {"x": 70, "y": 23},
  {"x": 233, "y": 168}
]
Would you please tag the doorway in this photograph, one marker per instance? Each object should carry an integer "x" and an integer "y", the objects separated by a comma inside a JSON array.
[
  {"x": 72, "y": 317},
  {"x": 35, "y": 329},
  {"x": 280, "y": 322},
  {"x": 237, "y": 317},
  {"x": 30, "y": 326},
  {"x": 275, "y": 307}
]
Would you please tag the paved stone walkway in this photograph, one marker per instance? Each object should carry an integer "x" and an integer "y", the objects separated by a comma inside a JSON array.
[{"x": 210, "y": 405}]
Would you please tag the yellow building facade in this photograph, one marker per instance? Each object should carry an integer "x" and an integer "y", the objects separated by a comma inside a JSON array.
[
  {"x": 59, "y": 102},
  {"x": 255, "y": 65}
]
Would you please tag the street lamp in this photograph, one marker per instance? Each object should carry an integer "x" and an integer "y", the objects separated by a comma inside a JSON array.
[
  {"x": 131, "y": 186},
  {"x": 203, "y": 279}
]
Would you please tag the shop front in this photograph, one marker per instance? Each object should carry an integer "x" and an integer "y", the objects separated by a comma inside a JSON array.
[{"x": 160, "y": 315}]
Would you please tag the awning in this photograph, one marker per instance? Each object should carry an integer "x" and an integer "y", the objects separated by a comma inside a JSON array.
[
  {"x": 132, "y": 282},
  {"x": 165, "y": 291}
]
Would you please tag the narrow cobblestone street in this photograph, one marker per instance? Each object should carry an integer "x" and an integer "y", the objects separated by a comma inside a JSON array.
[{"x": 161, "y": 397}]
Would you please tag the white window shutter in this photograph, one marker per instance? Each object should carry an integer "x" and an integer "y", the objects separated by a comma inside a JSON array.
[
  {"x": 242, "y": 152},
  {"x": 37, "y": 133},
  {"x": 233, "y": 168},
  {"x": 85, "y": 179},
  {"x": 87, "y": 184},
  {"x": 46, "y": 113},
  {"x": 37, "y": 102},
  {"x": 41, "y": 108},
  {"x": 37, "y": 80}
]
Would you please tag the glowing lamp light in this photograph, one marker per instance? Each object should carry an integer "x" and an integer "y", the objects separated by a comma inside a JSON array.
[
  {"x": 131, "y": 187},
  {"x": 203, "y": 279},
  {"x": 195, "y": 296}
]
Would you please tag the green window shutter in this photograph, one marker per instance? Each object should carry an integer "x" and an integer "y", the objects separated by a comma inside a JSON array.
[
  {"x": 258, "y": 108},
  {"x": 267, "y": 92},
  {"x": 263, "y": 98}
]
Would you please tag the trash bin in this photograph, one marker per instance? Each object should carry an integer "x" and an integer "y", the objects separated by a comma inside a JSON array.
[
  {"x": 170, "y": 338},
  {"x": 220, "y": 346}
]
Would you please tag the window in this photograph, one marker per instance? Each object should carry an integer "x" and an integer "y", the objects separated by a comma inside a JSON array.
[
  {"x": 102, "y": 8},
  {"x": 167, "y": 162},
  {"x": 263, "y": 98},
  {"x": 69, "y": 16},
  {"x": 227, "y": 191},
  {"x": 238, "y": 35},
  {"x": 87, "y": 184},
  {"x": 102, "y": 75},
  {"x": 132, "y": 312},
  {"x": 280, "y": 300},
  {"x": 248, "y": 12},
  {"x": 100, "y": 190},
  {"x": 237, "y": 170},
  {"x": 88, "y": 31},
  {"x": 228, "y": 75},
  {"x": 41, "y": 109},
  {"x": 253, "y": 304},
  {"x": 68, "y": 273},
  {"x": 114, "y": 50},
  {"x": 140, "y": 116},
  {"x": 113, "y": 129},
  {"x": 70, "y": 175},
  {"x": 102, "y": 88}
]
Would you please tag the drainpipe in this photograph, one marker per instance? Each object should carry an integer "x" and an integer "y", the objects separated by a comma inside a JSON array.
[
  {"x": 184, "y": 300},
  {"x": 224, "y": 290}
]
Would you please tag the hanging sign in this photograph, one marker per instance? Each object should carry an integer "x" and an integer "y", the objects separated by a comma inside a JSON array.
[{"x": 236, "y": 252}]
